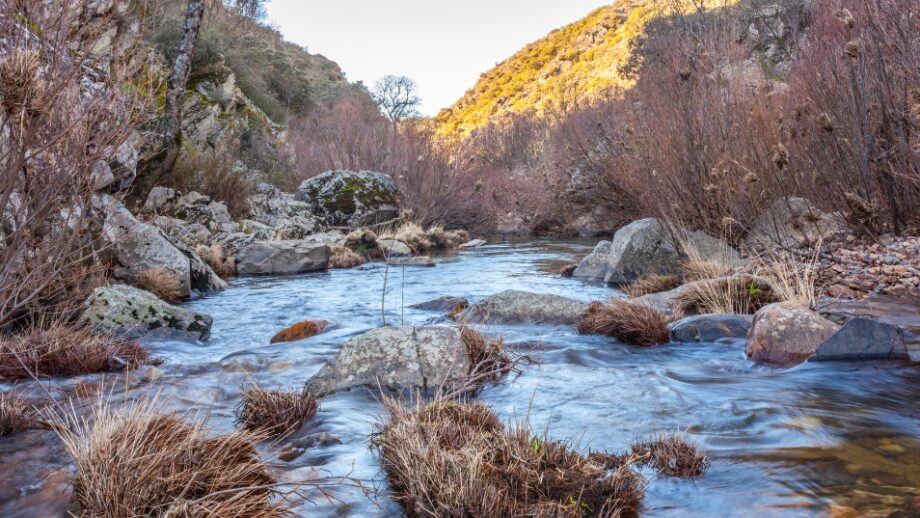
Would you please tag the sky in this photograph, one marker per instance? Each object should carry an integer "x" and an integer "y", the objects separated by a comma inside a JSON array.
[{"x": 444, "y": 45}]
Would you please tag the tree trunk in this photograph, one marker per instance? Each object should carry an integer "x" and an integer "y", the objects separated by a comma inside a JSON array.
[{"x": 175, "y": 87}]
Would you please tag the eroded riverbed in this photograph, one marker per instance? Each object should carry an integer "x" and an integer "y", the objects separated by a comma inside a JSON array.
[{"x": 806, "y": 441}]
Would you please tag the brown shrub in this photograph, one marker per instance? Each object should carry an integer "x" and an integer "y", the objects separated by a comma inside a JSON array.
[
  {"x": 672, "y": 455},
  {"x": 161, "y": 282},
  {"x": 487, "y": 357},
  {"x": 629, "y": 322},
  {"x": 215, "y": 176},
  {"x": 63, "y": 350},
  {"x": 651, "y": 283},
  {"x": 275, "y": 413},
  {"x": 344, "y": 257},
  {"x": 16, "y": 415},
  {"x": 143, "y": 461},
  {"x": 301, "y": 331},
  {"x": 451, "y": 459},
  {"x": 217, "y": 258},
  {"x": 738, "y": 294},
  {"x": 364, "y": 243}
]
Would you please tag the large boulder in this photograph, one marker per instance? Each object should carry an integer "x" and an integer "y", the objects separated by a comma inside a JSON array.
[
  {"x": 133, "y": 312},
  {"x": 282, "y": 257},
  {"x": 864, "y": 339},
  {"x": 640, "y": 248},
  {"x": 594, "y": 266},
  {"x": 710, "y": 328},
  {"x": 395, "y": 357},
  {"x": 351, "y": 198},
  {"x": 523, "y": 307},
  {"x": 203, "y": 279},
  {"x": 793, "y": 222},
  {"x": 786, "y": 334}
]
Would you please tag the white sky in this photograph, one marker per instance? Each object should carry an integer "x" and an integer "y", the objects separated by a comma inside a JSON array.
[{"x": 444, "y": 45}]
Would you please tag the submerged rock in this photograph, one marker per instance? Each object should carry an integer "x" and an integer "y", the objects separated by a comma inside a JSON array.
[
  {"x": 443, "y": 304},
  {"x": 594, "y": 266},
  {"x": 282, "y": 257},
  {"x": 351, "y": 198},
  {"x": 397, "y": 357},
  {"x": 864, "y": 339},
  {"x": 133, "y": 312},
  {"x": 786, "y": 334},
  {"x": 300, "y": 331},
  {"x": 419, "y": 260},
  {"x": 475, "y": 243},
  {"x": 710, "y": 328},
  {"x": 523, "y": 307},
  {"x": 394, "y": 248}
]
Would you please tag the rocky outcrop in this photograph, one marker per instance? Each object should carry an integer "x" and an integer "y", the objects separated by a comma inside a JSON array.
[
  {"x": 282, "y": 257},
  {"x": 710, "y": 328},
  {"x": 133, "y": 312},
  {"x": 792, "y": 223},
  {"x": 595, "y": 264},
  {"x": 522, "y": 307},
  {"x": 395, "y": 357},
  {"x": 351, "y": 198},
  {"x": 785, "y": 334},
  {"x": 864, "y": 339}
]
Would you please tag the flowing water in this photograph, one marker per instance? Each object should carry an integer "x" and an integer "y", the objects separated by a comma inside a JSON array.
[{"x": 813, "y": 440}]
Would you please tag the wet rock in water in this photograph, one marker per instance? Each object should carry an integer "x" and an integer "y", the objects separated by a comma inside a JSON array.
[
  {"x": 419, "y": 260},
  {"x": 568, "y": 270},
  {"x": 864, "y": 339},
  {"x": 786, "y": 334},
  {"x": 641, "y": 248},
  {"x": 282, "y": 257},
  {"x": 133, "y": 312},
  {"x": 202, "y": 277},
  {"x": 443, "y": 304},
  {"x": 298, "y": 447},
  {"x": 394, "y": 248},
  {"x": 793, "y": 222},
  {"x": 594, "y": 266},
  {"x": 523, "y": 307},
  {"x": 301, "y": 331},
  {"x": 475, "y": 243},
  {"x": 710, "y": 328},
  {"x": 351, "y": 198},
  {"x": 399, "y": 357}
]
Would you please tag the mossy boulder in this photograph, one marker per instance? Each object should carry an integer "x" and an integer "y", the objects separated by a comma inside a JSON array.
[
  {"x": 133, "y": 312},
  {"x": 351, "y": 198}
]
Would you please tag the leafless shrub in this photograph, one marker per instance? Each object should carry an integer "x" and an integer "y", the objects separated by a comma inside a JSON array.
[
  {"x": 16, "y": 415},
  {"x": 161, "y": 282},
  {"x": 275, "y": 413},
  {"x": 632, "y": 323},
  {"x": 651, "y": 283},
  {"x": 63, "y": 350},
  {"x": 672, "y": 455},
  {"x": 215, "y": 176}
]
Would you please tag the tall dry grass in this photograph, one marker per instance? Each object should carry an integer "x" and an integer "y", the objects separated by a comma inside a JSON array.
[
  {"x": 736, "y": 294},
  {"x": 161, "y": 282},
  {"x": 215, "y": 255},
  {"x": 16, "y": 414},
  {"x": 672, "y": 455},
  {"x": 275, "y": 413},
  {"x": 632, "y": 323},
  {"x": 793, "y": 280}
]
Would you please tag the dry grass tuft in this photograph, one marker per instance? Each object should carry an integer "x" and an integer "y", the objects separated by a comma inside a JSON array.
[
  {"x": 420, "y": 240},
  {"x": 738, "y": 294},
  {"x": 217, "y": 258},
  {"x": 16, "y": 415},
  {"x": 487, "y": 357},
  {"x": 25, "y": 94},
  {"x": 673, "y": 455},
  {"x": 364, "y": 243},
  {"x": 652, "y": 283},
  {"x": 451, "y": 459},
  {"x": 65, "y": 351},
  {"x": 632, "y": 323},
  {"x": 275, "y": 413},
  {"x": 143, "y": 461},
  {"x": 344, "y": 257},
  {"x": 160, "y": 282},
  {"x": 792, "y": 280}
]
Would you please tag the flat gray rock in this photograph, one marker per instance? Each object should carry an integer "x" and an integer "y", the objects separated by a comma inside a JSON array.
[
  {"x": 864, "y": 339},
  {"x": 523, "y": 307},
  {"x": 419, "y": 260},
  {"x": 282, "y": 257},
  {"x": 442, "y": 304}
]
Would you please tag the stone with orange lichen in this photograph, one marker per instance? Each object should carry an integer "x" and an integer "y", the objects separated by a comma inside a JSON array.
[{"x": 300, "y": 331}]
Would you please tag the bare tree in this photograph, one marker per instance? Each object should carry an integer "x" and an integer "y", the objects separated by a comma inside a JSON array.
[{"x": 397, "y": 97}]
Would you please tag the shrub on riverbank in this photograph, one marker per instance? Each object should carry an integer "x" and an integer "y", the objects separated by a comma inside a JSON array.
[
  {"x": 458, "y": 459},
  {"x": 275, "y": 413},
  {"x": 161, "y": 283},
  {"x": 344, "y": 257},
  {"x": 216, "y": 256},
  {"x": 63, "y": 350},
  {"x": 364, "y": 243},
  {"x": 143, "y": 461},
  {"x": 672, "y": 455},
  {"x": 629, "y": 322},
  {"x": 420, "y": 240},
  {"x": 16, "y": 415},
  {"x": 652, "y": 283}
]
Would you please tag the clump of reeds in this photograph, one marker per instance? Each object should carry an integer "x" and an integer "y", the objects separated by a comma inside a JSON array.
[
  {"x": 792, "y": 280},
  {"x": 420, "y": 240},
  {"x": 632, "y": 323},
  {"x": 652, "y": 283},
  {"x": 451, "y": 459},
  {"x": 16, "y": 414},
  {"x": 216, "y": 256},
  {"x": 737, "y": 294},
  {"x": 672, "y": 455},
  {"x": 161, "y": 282},
  {"x": 143, "y": 461},
  {"x": 275, "y": 413},
  {"x": 62, "y": 350},
  {"x": 344, "y": 257}
]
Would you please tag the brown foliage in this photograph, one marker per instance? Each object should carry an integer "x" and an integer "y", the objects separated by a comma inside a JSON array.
[
  {"x": 143, "y": 461},
  {"x": 651, "y": 283},
  {"x": 16, "y": 415},
  {"x": 672, "y": 455},
  {"x": 215, "y": 176},
  {"x": 632, "y": 323},
  {"x": 275, "y": 413},
  {"x": 487, "y": 357},
  {"x": 344, "y": 257},
  {"x": 364, "y": 243},
  {"x": 63, "y": 350},
  {"x": 216, "y": 256},
  {"x": 300, "y": 331},
  {"x": 742, "y": 294},
  {"x": 161, "y": 282},
  {"x": 450, "y": 458}
]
